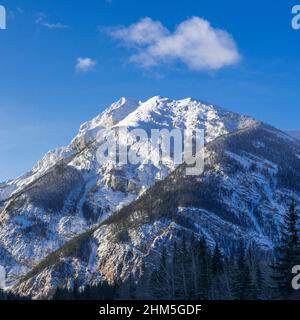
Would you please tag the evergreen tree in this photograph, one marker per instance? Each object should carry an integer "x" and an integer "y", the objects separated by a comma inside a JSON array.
[
  {"x": 219, "y": 281},
  {"x": 177, "y": 273},
  {"x": 287, "y": 254},
  {"x": 132, "y": 287},
  {"x": 173, "y": 271},
  {"x": 63, "y": 294},
  {"x": 143, "y": 284},
  {"x": 217, "y": 263},
  {"x": 2, "y": 295},
  {"x": 204, "y": 278},
  {"x": 159, "y": 282},
  {"x": 102, "y": 291},
  {"x": 258, "y": 284},
  {"x": 194, "y": 267},
  {"x": 242, "y": 283},
  {"x": 186, "y": 269}
]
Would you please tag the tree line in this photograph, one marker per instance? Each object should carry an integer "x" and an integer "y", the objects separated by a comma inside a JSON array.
[
  {"x": 193, "y": 269},
  {"x": 196, "y": 271}
]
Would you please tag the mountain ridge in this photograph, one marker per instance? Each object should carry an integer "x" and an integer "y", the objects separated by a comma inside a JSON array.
[
  {"x": 158, "y": 225},
  {"x": 84, "y": 194}
]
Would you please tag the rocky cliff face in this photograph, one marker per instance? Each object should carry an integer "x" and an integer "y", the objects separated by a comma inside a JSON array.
[
  {"x": 68, "y": 192},
  {"x": 249, "y": 179}
]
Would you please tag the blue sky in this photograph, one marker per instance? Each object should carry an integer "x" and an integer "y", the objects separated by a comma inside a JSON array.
[{"x": 44, "y": 98}]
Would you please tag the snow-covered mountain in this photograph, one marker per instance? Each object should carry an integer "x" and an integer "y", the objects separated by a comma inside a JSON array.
[
  {"x": 63, "y": 199},
  {"x": 249, "y": 180},
  {"x": 155, "y": 113},
  {"x": 68, "y": 191}
]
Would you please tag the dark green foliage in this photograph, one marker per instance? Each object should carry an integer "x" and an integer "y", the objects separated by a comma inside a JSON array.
[
  {"x": 11, "y": 296},
  {"x": 205, "y": 269},
  {"x": 122, "y": 236},
  {"x": 258, "y": 285},
  {"x": 64, "y": 178},
  {"x": 217, "y": 263},
  {"x": 102, "y": 291},
  {"x": 194, "y": 272},
  {"x": 159, "y": 281},
  {"x": 132, "y": 287},
  {"x": 287, "y": 255},
  {"x": 242, "y": 283},
  {"x": 189, "y": 271}
]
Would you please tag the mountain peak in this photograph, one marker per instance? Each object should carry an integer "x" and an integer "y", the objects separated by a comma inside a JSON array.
[
  {"x": 157, "y": 99},
  {"x": 124, "y": 101},
  {"x": 161, "y": 112},
  {"x": 111, "y": 115}
]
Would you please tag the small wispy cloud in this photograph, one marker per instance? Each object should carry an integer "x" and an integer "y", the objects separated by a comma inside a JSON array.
[
  {"x": 41, "y": 20},
  {"x": 85, "y": 65},
  {"x": 194, "y": 42}
]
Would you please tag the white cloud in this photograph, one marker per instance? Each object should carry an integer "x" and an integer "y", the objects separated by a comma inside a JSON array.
[
  {"x": 85, "y": 64},
  {"x": 194, "y": 42},
  {"x": 145, "y": 32},
  {"x": 41, "y": 20}
]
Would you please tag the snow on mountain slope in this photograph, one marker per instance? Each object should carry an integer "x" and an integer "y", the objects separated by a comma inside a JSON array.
[
  {"x": 159, "y": 113},
  {"x": 156, "y": 112},
  {"x": 249, "y": 180},
  {"x": 112, "y": 115},
  {"x": 68, "y": 191}
]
